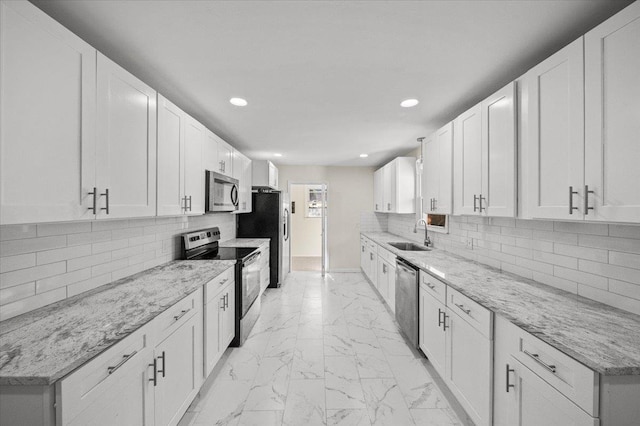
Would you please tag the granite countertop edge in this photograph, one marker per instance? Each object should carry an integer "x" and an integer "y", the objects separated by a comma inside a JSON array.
[
  {"x": 53, "y": 309},
  {"x": 382, "y": 238}
]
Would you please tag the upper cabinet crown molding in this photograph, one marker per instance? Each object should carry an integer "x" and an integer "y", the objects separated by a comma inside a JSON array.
[{"x": 394, "y": 186}]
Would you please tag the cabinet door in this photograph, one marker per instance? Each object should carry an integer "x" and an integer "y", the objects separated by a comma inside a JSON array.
[
  {"x": 612, "y": 102},
  {"x": 469, "y": 373},
  {"x": 556, "y": 134},
  {"x": 273, "y": 175},
  {"x": 210, "y": 152},
  {"x": 444, "y": 198},
  {"x": 468, "y": 160},
  {"x": 378, "y": 190},
  {"x": 372, "y": 269},
  {"x": 391, "y": 287},
  {"x": 389, "y": 187},
  {"x": 126, "y": 146},
  {"x": 536, "y": 403},
  {"x": 212, "y": 348},
  {"x": 194, "y": 174},
  {"x": 430, "y": 174},
  {"x": 227, "y": 322},
  {"x": 180, "y": 357},
  {"x": 225, "y": 158},
  {"x": 47, "y": 111},
  {"x": 383, "y": 279},
  {"x": 364, "y": 256},
  {"x": 499, "y": 153},
  {"x": 171, "y": 127},
  {"x": 432, "y": 334}
]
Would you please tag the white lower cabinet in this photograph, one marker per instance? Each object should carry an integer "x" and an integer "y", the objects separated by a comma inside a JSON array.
[
  {"x": 386, "y": 276},
  {"x": 432, "y": 334},
  {"x": 219, "y": 318}
]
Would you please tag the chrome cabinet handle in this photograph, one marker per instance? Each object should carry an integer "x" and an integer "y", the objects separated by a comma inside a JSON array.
[
  {"x": 586, "y": 199},
  {"x": 431, "y": 286},
  {"x": 461, "y": 307},
  {"x": 363, "y": 249},
  {"x": 164, "y": 359},
  {"x": 475, "y": 200},
  {"x": 376, "y": 207},
  {"x": 224, "y": 281},
  {"x": 440, "y": 320},
  {"x": 95, "y": 199},
  {"x": 480, "y": 198},
  {"x": 384, "y": 268},
  {"x": 154, "y": 379},
  {"x": 222, "y": 307},
  {"x": 444, "y": 321},
  {"x": 106, "y": 193},
  {"x": 184, "y": 204},
  {"x": 371, "y": 256},
  {"x": 182, "y": 313},
  {"x": 537, "y": 359},
  {"x": 571, "y": 193},
  {"x": 125, "y": 358},
  {"x": 389, "y": 206},
  {"x": 509, "y": 385},
  {"x": 226, "y": 301},
  {"x": 189, "y": 202}
]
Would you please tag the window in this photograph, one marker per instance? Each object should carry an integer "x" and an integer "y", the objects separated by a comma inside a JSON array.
[{"x": 314, "y": 205}]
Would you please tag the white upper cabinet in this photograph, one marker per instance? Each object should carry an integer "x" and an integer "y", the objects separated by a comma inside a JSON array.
[
  {"x": 378, "y": 190},
  {"x": 556, "y": 135},
  {"x": 485, "y": 157},
  {"x": 437, "y": 186},
  {"x": 171, "y": 124},
  {"x": 126, "y": 143},
  {"x": 242, "y": 171},
  {"x": 194, "y": 175},
  {"x": 498, "y": 197},
  {"x": 47, "y": 116},
  {"x": 612, "y": 125},
  {"x": 468, "y": 161},
  {"x": 265, "y": 174},
  {"x": 225, "y": 158},
  {"x": 389, "y": 187}
]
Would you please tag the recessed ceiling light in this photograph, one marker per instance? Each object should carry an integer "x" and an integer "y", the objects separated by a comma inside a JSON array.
[
  {"x": 277, "y": 155},
  {"x": 364, "y": 155},
  {"x": 238, "y": 101},
  {"x": 408, "y": 103}
]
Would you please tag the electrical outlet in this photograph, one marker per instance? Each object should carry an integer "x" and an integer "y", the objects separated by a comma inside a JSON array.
[{"x": 470, "y": 243}]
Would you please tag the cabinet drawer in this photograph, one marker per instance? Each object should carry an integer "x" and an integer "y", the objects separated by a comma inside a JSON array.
[
  {"x": 178, "y": 314},
  {"x": 372, "y": 246},
  {"x": 478, "y": 316},
  {"x": 434, "y": 287},
  {"x": 93, "y": 381},
  {"x": 213, "y": 287},
  {"x": 578, "y": 383},
  {"x": 387, "y": 256}
]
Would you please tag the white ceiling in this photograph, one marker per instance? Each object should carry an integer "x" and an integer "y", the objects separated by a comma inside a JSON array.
[{"x": 324, "y": 79}]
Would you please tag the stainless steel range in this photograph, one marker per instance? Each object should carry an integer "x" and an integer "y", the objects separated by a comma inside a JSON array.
[{"x": 203, "y": 245}]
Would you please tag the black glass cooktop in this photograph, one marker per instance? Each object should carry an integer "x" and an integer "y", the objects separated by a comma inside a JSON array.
[{"x": 226, "y": 253}]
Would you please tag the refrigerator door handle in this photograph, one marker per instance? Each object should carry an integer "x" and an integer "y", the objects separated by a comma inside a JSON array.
[{"x": 286, "y": 224}]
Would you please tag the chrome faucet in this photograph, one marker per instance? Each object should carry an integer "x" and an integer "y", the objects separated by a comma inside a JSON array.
[{"x": 427, "y": 240}]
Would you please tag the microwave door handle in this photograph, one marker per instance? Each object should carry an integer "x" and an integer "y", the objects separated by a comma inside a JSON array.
[{"x": 234, "y": 195}]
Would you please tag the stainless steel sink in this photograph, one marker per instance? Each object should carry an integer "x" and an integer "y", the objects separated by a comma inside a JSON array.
[{"x": 409, "y": 247}]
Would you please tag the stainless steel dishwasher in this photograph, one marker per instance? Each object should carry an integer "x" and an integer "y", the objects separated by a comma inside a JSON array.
[{"x": 407, "y": 301}]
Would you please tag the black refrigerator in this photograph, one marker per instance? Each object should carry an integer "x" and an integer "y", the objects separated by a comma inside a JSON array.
[{"x": 269, "y": 219}]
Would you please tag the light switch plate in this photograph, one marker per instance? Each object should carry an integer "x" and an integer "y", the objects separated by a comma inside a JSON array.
[{"x": 470, "y": 243}]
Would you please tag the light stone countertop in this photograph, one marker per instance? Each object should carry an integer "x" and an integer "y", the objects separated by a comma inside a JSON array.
[
  {"x": 603, "y": 338},
  {"x": 245, "y": 242},
  {"x": 42, "y": 346}
]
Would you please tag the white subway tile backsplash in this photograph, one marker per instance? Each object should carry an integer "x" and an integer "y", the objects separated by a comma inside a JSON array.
[
  {"x": 30, "y": 303},
  {"x": 599, "y": 261},
  {"x": 17, "y": 232},
  {"x": 17, "y": 292},
  {"x": 88, "y": 238},
  {"x": 50, "y": 256},
  {"x": 119, "y": 234},
  {"x": 57, "y": 281},
  {"x": 20, "y": 261},
  {"x": 109, "y": 225},
  {"x": 21, "y": 276},
  {"x": 105, "y": 268},
  {"x": 62, "y": 228},
  {"x": 31, "y": 245},
  {"x": 106, "y": 246},
  {"x": 90, "y": 284},
  {"x": 87, "y": 261}
]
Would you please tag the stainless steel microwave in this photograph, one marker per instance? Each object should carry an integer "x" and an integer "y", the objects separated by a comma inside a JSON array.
[{"x": 221, "y": 193}]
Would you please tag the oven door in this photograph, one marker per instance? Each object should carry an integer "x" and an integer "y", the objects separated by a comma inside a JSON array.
[
  {"x": 221, "y": 194},
  {"x": 250, "y": 281}
]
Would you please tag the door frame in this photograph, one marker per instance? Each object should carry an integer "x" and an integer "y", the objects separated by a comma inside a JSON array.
[{"x": 325, "y": 231}]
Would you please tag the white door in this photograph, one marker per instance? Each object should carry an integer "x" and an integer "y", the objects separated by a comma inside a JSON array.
[
  {"x": 468, "y": 373},
  {"x": 612, "y": 103},
  {"x": 126, "y": 144},
  {"x": 171, "y": 126},
  {"x": 182, "y": 367},
  {"x": 378, "y": 190},
  {"x": 194, "y": 174},
  {"x": 389, "y": 187},
  {"x": 499, "y": 153},
  {"x": 47, "y": 116},
  {"x": 556, "y": 134},
  {"x": 468, "y": 160},
  {"x": 430, "y": 174},
  {"x": 432, "y": 333},
  {"x": 444, "y": 199},
  {"x": 536, "y": 403},
  {"x": 227, "y": 323}
]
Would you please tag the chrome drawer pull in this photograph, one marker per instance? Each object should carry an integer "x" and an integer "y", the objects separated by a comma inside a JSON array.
[
  {"x": 571, "y": 194},
  {"x": 106, "y": 194},
  {"x": 431, "y": 286},
  {"x": 509, "y": 385},
  {"x": 440, "y": 320},
  {"x": 183, "y": 313},
  {"x": 164, "y": 359},
  {"x": 94, "y": 205},
  {"x": 586, "y": 199},
  {"x": 224, "y": 281},
  {"x": 461, "y": 307},
  {"x": 537, "y": 359},
  {"x": 125, "y": 358},
  {"x": 154, "y": 379}
]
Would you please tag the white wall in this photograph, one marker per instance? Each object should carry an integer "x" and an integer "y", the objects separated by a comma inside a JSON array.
[
  {"x": 44, "y": 263},
  {"x": 306, "y": 232},
  {"x": 350, "y": 192},
  {"x": 596, "y": 260}
]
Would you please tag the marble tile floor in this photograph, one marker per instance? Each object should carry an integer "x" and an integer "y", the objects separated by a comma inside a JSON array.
[{"x": 325, "y": 351}]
